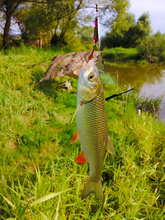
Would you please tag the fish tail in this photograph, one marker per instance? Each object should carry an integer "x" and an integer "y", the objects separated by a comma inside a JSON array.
[{"x": 95, "y": 187}]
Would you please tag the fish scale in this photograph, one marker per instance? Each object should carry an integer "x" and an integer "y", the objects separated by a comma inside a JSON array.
[{"x": 93, "y": 137}]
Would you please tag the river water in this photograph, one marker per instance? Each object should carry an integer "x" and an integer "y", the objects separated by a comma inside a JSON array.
[{"x": 147, "y": 80}]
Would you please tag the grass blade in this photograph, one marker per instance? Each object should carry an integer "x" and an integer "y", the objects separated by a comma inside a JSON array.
[
  {"x": 45, "y": 217},
  {"x": 56, "y": 217},
  {"x": 9, "y": 202},
  {"x": 50, "y": 196}
]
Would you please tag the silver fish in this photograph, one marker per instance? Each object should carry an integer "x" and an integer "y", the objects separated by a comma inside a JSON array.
[{"x": 92, "y": 127}]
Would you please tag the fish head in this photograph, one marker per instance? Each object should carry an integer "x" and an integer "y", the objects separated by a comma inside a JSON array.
[{"x": 89, "y": 85}]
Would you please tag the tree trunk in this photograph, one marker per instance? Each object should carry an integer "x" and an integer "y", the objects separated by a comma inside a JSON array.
[{"x": 6, "y": 36}]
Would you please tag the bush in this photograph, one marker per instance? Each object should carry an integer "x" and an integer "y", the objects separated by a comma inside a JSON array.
[
  {"x": 152, "y": 47},
  {"x": 131, "y": 37}
]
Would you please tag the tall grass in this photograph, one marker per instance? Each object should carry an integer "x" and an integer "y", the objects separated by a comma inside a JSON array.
[{"x": 38, "y": 176}]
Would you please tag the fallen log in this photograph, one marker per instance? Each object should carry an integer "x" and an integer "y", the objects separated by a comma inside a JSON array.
[{"x": 67, "y": 65}]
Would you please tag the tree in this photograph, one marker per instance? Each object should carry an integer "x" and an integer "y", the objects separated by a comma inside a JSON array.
[
  {"x": 143, "y": 27},
  {"x": 60, "y": 16},
  {"x": 133, "y": 36},
  {"x": 55, "y": 17},
  {"x": 32, "y": 21},
  {"x": 124, "y": 38},
  {"x": 86, "y": 33},
  {"x": 8, "y": 7},
  {"x": 116, "y": 12},
  {"x": 65, "y": 20}
]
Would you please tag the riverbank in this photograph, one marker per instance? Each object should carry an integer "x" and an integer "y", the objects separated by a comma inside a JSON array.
[
  {"x": 130, "y": 55},
  {"x": 39, "y": 178}
]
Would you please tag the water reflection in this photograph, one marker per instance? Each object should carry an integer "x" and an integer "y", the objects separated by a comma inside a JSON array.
[{"x": 148, "y": 81}]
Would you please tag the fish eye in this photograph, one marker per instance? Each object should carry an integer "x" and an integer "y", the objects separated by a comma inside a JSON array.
[{"x": 91, "y": 77}]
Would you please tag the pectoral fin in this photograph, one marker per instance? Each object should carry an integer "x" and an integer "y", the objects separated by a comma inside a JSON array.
[
  {"x": 110, "y": 146},
  {"x": 81, "y": 159},
  {"x": 76, "y": 137}
]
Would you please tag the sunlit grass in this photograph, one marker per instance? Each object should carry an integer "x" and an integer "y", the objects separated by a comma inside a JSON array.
[
  {"x": 121, "y": 54},
  {"x": 38, "y": 176}
]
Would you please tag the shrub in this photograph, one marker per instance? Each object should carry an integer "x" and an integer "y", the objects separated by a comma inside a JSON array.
[{"x": 152, "y": 47}]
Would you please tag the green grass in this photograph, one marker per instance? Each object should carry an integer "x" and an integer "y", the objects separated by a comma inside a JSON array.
[
  {"x": 121, "y": 54},
  {"x": 130, "y": 55},
  {"x": 38, "y": 176}
]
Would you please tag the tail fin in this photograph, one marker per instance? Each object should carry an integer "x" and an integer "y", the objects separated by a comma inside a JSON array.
[{"x": 95, "y": 187}]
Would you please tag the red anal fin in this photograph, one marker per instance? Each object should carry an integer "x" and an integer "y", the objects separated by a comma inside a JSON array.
[
  {"x": 81, "y": 159},
  {"x": 75, "y": 137}
]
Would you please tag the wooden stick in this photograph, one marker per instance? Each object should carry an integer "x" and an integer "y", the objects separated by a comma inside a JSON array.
[
  {"x": 81, "y": 103},
  {"x": 40, "y": 63}
]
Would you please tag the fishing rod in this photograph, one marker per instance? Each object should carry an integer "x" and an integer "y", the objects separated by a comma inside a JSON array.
[
  {"x": 116, "y": 95},
  {"x": 113, "y": 96}
]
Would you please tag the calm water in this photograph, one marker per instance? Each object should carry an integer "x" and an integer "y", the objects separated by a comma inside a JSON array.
[{"x": 148, "y": 81}]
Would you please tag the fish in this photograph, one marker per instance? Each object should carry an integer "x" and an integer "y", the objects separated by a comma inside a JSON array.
[{"x": 92, "y": 129}]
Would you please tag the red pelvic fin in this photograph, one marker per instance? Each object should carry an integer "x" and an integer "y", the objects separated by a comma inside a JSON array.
[
  {"x": 75, "y": 137},
  {"x": 81, "y": 159}
]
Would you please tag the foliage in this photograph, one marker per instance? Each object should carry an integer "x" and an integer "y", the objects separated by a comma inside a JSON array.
[
  {"x": 116, "y": 12},
  {"x": 82, "y": 40},
  {"x": 31, "y": 19},
  {"x": 143, "y": 25},
  {"x": 113, "y": 13},
  {"x": 65, "y": 21},
  {"x": 48, "y": 20},
  {"x": 39, "y": 179},
  {"x": 40, "y": 17},
  {"x": 86, "y": 33},
  {"x": 152, "y": 47},
  {"x": 131, "y": 37},
  {"x": 45, "y": 19}
]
